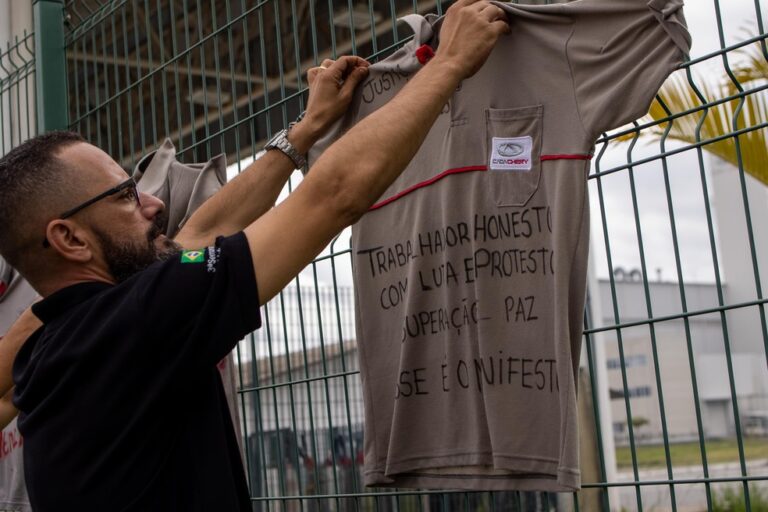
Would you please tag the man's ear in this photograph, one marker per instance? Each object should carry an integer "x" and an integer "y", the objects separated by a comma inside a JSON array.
[{"x": 70, "y": 240}]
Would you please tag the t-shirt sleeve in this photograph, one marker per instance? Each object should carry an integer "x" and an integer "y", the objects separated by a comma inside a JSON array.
[
  {"x": 620, "y": 55},
  {"x": 200, "y": 303}
]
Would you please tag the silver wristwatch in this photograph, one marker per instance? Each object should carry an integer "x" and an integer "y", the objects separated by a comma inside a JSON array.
[{"x": 280, "y": 141}]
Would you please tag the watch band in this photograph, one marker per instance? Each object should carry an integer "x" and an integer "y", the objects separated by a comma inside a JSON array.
[{"x": 280, "y": 142}]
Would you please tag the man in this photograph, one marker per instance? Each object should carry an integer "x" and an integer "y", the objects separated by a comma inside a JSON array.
[{"x": 124, "y": 411}]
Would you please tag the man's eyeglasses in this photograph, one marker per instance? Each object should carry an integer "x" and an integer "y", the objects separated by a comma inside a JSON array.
[{"x": 129, "y": 186}]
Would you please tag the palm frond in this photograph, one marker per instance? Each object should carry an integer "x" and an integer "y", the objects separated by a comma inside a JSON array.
[{"x": 718, "y": 117}]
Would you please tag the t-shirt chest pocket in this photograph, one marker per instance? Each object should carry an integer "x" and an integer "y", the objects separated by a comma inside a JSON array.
[{"x": 513, "y": 147}]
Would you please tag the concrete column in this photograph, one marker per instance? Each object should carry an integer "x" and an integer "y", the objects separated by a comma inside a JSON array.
[{"x": 738, "y": 269}]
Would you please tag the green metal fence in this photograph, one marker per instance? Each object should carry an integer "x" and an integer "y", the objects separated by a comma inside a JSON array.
[
  {"x": 17, "y": 91},
  {"x": 674, "y": 405}
]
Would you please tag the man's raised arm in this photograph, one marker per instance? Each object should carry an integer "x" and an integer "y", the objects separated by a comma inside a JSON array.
[
  {"x": 341, "y": 187},
  {"x": 256, "y": 189}
]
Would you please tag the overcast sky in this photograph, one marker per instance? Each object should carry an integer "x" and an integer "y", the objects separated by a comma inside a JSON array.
[{"x": 739, "y": 20}]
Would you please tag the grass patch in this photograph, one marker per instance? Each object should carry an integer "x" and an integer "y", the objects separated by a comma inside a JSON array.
[
  {"x": 731, "y": 500},
  {"x": 689, "y": 454}
]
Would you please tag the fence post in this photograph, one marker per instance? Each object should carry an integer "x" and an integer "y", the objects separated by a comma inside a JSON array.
[{"x": 50, "y": 70}]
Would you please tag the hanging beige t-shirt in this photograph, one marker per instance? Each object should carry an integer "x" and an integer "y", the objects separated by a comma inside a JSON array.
[{"x": 470, "y": 271}]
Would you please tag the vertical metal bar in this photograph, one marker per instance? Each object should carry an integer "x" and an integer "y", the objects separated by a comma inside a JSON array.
[
  {"x": 681, "y": 287},
  {"x": 649, "y": 311},
  {"x": 163, "y": 63},
  {"x": 589, "y": 323},
  {"x": 343, "y": 357},
  {"x": 131, "y": 129},
  {"x": 249, "y": 86},
  {"x": 176, "y": 82},
  {"x": 97, "y": 107},
  {"x": 332, "y": 30},
  {"x": 372, "y": 21},
  {"x": 203, "y": 66},
  {"x": 232, "y": 83},
  {"x": 140, "y": 84},
  {"x": 264, "y": 74},
  {"x": 150, "y": 58},
  {"x": 329, "y": 412},
  {"x": 217, "y": 71},
  {"x": 3, "y": 151},
  {"x": 619, "y": 338},
  {"x": 351, "y": 12},
  {"x": 291, "y": 397},
  {"x": 297, "y": 52},
  {"x": 50, "y": 72},
  {"x": 276, "y": 411},
  {"x": 728, "y": 358},
  {"x": 86, "y": 89},
  {"x": 393, "y": 13},
  {"x": 259, "y": 408},
  {"x": 30, "y": 70},
  {"x": 190, "y": 82},
  {"x": 105, "y": 72},
  {"x": 118, "y": 86}
]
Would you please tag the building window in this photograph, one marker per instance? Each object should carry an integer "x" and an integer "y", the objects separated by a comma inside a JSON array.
[
  {"x": 636, "y": 392},
  {"x": 629, "y": 362}
]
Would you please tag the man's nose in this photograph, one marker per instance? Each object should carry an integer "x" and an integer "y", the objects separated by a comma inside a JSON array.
[{"x": 150, "y": 205}]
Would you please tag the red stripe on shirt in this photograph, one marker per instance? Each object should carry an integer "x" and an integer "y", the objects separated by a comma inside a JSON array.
[
  {"x": 460, "y": 170},
  {"x": 426, "y": 183},
  {"x": 565, "y": 157}
]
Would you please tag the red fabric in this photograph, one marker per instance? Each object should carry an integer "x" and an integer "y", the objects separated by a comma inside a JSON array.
[
  {"x": 3, "y": 287},
  {"x": 459, "y": 170},
  {"x": 425, "y": 183},
  {"x": 565, "y": 157},
  {"x": 424, "y": 53}
]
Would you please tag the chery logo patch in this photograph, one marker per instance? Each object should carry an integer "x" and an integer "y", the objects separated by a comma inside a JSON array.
[
  {"x": 511, "y": 149},
  {"x": 511, "y": 154}
]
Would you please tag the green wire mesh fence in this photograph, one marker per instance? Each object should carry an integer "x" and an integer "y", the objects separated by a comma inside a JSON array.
[
  {"x": 17, "y": 91},
  {"x": 674, "y": 384}
]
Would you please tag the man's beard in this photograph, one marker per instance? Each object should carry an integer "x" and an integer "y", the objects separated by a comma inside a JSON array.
[{"x": 125, "y": 258}]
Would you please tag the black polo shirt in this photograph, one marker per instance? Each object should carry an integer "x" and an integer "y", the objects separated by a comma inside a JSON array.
[{"x": 122, "y": 406}]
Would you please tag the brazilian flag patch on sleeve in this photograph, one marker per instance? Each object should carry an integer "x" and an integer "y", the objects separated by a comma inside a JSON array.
[{"x": 196, "y": 256}]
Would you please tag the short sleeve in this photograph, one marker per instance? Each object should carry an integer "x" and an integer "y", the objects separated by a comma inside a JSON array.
[
  {"x": 200, "y": 303},
  {"x": 620, "y": 53}
]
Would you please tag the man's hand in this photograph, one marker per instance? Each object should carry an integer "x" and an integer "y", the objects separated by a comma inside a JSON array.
[
  {"x": 342, "y": 186},
  {"x": 331, "y": 86},
  {"x": 256, "y": 189},
  {"x": 8, "y": 411},
  {"x": 468, "y": 34}
]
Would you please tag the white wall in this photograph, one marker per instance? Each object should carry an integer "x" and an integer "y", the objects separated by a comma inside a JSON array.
[{"x": 736, "y": 264}]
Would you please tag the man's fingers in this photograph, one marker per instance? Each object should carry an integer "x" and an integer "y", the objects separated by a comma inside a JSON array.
[
  {"x": 501, "y": 27},
  {"x": 312, "y": 74},
  {"x": 358, "y": 73},
  {"x": 338, "y": 70},
  {"x": 478, "y": 6},
  {"x": 461, "y": 3},
  {"x": 344, "y": 66},
  {"x": 347, "y": 63},
  {"x": 493, "y": 13}
]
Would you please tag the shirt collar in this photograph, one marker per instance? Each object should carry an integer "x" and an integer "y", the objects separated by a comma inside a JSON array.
[{"x": 63, "y": 300}]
